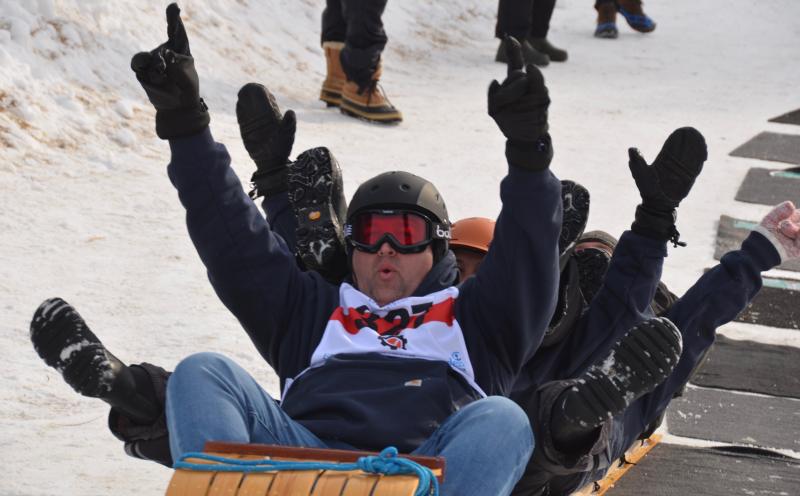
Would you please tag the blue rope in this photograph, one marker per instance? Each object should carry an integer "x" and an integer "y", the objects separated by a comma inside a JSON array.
[{"x": 387, "y": 463}]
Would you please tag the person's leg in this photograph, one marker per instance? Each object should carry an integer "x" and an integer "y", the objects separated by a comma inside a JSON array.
[
  {"x": 361, "y": 62},
  {"x": 334, "y": 27},
  {"x": 64, "y": 341},
  {"x": 606, "y": 19},
  {"x": 486, "y": 444},
  {"x": 514, "y": 19},
  {"x": 365, "y": 39},
  {"x": 211, "y": 398},
  {"x": 135, "y": 393},
  {"x": 334, "y": 31},
  {"x": 541, "y": 12},
  {"x": 575, "y": 420}
]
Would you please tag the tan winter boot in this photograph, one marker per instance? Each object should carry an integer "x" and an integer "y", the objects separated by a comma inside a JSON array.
[
  {"x": 369, "y": 103},
  {"x": 334, "y": 80}
]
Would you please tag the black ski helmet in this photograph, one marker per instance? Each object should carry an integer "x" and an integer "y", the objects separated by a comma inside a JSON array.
[{"x": 403, "y": 190}]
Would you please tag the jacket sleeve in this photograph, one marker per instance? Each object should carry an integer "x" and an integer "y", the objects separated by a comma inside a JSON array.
[
  {"x": 714, "y": 300},
  {"x": 623, "y": 299},
  {"x": 249, "y": 267},
  {"x": 505, "y": 308}
]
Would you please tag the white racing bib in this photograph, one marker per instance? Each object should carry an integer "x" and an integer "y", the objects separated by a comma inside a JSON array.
[{"x": 415, "y": 327}]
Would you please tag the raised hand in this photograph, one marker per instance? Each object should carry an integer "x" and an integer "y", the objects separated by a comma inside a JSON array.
[
  {"x": 169, "y": 78},
  {"x": 519, "y": 107},
  {"x": 267, "y": 136},
  {"x": 665, "y": 183},
  {"x": 782, "y": 227}
]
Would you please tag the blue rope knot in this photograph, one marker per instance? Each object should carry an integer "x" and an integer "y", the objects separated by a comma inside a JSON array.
[{"x": 387, "y": 463}]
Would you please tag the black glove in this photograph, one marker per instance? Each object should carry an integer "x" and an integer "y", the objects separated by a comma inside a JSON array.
[
  {"x": 267, "y": 137},
  {"x": 519, "y": 107},
  {"x": 665, "y": 183},
  {"x": 168, "y": 76}
]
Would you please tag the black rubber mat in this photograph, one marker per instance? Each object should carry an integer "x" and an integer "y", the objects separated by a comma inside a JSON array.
[
  {"x": 730, "y": 234},
  {"x": 672, "y": 470},
  {"x": 770, "y": 187},
  {"x": 730, "y": 417},
  {"x": 788, "y": 118},
  {"x": 776, "y": 305},
  {"x": 775, "y": 147},
  {"x": 752, "y": 367}
]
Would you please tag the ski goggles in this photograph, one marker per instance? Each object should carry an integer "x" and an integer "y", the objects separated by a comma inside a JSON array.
[{"x": 404, "y": 230}]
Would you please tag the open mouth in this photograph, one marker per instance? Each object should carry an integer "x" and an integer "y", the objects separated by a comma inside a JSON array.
[{"x": 385, "y": 272}]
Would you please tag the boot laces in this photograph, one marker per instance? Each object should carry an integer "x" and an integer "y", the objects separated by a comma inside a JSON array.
[{"x": 373, "y": 88}]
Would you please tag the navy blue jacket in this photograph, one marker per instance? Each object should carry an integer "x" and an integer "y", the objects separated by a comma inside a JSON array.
[
  {"x": 362, "y": 399},
  {"x": 714, "y": 300},
  {"x": 622, "y": 301}
]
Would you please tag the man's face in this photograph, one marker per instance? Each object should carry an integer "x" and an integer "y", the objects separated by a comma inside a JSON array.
[
  {"x": 468, "y": 262},
  {"x": 387, "y": 275}
]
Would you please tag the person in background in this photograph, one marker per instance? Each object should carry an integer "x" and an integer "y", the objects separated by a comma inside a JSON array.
[
  {"x": 631, "y": 10},
  {"x": 353, "y": 40},
  {"x": 529, "y": 22}
]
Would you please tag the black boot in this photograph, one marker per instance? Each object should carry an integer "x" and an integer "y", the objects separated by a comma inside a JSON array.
[
  {"x": 145, "y": 441},
  {"x": 530, "y": 54},
  {"x": 542, "y": 45},
  {"x": 317, "y": 198},
  {"x": 64, "y": 341},
  {"x": 575, "y": 202},
  {"x": 268, "y": 138},
  {"x": 593, "y": 254},
  {"x": 636, "y": 365}
]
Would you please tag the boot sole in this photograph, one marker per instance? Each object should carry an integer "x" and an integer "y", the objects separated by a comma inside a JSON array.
[
  {"x": 575, "y": 200},
  {"x": 637, "y": 364},
  {"x": 319, "y": 232},
  {"x": 374, "y": 114},
  {"x": 331, "y": 98},
  {"x": 607, "y": 31},
  {"x": 64, "y": 341}
]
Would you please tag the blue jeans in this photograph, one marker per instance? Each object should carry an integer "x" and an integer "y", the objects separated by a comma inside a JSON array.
[{"x": 487, "y": 444}]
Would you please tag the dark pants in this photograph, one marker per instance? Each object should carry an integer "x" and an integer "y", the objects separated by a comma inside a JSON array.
[
  {"x": 358, "y": 24},
  {"x": 521, "y": 18}
]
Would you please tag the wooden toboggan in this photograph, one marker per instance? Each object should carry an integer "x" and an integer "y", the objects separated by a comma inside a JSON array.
[{"x": 321, "y": 482}]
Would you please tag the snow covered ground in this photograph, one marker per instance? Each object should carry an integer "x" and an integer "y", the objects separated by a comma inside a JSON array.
[{"x": 88, "y": 213}]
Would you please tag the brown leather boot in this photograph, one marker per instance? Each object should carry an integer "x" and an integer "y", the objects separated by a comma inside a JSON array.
[
  {"x": 334, "y": 80},
  {"x": 370, "y": 102}
]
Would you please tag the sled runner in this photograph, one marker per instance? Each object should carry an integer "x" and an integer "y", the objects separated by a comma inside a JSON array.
[
  {"x": 233, "y": 469},
  {"x": 636, "y": 453}
]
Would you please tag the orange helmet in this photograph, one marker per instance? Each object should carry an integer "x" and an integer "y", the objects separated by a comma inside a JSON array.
[{"x": 474, "y": 232}]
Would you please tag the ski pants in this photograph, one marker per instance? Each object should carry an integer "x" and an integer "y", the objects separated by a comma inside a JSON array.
[
  {"x": 520, "y": 18},
  {"x": 486, "y": 444},
  {"x": 358, "y": 24}
]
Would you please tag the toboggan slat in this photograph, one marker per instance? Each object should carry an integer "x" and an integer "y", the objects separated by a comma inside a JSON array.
[{"x": 302, "y": 482}]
